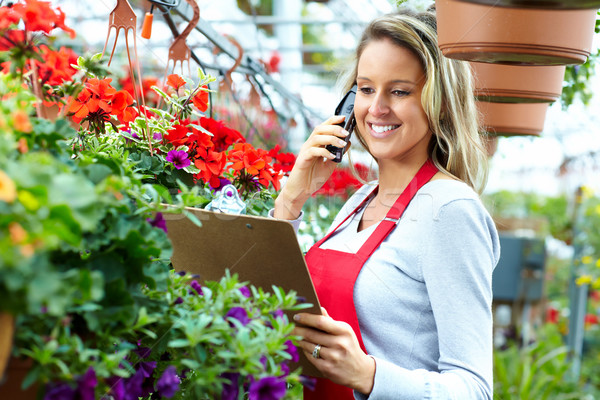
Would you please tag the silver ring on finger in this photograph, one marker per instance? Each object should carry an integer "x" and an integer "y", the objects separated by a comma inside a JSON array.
[{"x": 317, "y": 351}]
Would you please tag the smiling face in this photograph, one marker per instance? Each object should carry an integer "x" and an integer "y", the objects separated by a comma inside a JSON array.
[{"x": 388, "y": 110}]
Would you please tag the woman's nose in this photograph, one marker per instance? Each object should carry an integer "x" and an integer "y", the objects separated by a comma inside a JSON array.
[{"x": 378, "y": 106}]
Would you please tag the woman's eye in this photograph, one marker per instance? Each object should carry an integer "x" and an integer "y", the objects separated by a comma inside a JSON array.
[
  {"x": 366, "y": 90},
  {"x": 400, "y": 93}
]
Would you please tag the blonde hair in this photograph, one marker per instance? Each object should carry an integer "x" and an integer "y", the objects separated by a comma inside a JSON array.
[{"x": 447, "y": 98}]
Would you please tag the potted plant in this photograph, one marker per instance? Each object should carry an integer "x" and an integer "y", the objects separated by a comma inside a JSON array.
[
  {"x": 500, "y": 83},
  {"x": 519, "y": 36},
  {"x": 84, "y": 258},
  {"x": 512, "y": 119}
]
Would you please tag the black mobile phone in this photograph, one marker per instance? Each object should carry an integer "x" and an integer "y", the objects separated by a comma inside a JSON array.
[{"x": 345, "y": 108}]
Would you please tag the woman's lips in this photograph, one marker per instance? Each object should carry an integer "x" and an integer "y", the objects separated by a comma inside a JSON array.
[{"x": 380, "y": 131}]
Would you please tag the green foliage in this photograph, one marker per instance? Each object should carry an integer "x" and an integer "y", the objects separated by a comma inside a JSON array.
[
  {"x": 538, "y": 371},
  {"x": 556, "y": 210}
]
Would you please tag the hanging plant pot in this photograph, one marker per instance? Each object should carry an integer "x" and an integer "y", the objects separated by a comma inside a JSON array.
[
  {"x": 518, "y": 84},
  {"x": 546, "y": 4},
  {"x": 505, "y": 119},
  {"x": 518, "y": 36},
  {"x": 7, "y": 330}
]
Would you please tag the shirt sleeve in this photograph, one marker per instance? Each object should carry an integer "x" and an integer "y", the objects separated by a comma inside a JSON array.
[
  {"x": 457, "y": 260},
  {"x": 295, "y": 222}
]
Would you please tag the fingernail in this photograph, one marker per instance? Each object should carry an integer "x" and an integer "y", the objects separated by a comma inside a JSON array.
[
  {"x": 345, "y": 132},
  {"x": 296, "y": 317},
  {"x": 341, "y": 143}
]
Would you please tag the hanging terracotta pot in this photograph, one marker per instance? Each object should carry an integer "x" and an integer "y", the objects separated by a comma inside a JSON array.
[
  {"x": 7, "y": 331},
  {"x": 547, "y": 4},
  {"x": 518, "y": 119},
  {"x": 518, "y": 84},
  {"x": 518, "y": 36}
]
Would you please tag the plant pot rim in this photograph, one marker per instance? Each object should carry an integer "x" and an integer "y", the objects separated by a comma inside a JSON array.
[
  {"x": 517, "y": 84},
  {"x": 504, "y": 119},
  {"x": 516, "y": 36},
  {"x": 545, "y": 4}
]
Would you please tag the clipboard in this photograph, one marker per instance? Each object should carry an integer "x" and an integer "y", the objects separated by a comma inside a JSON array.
[{"x": 262, "y": 251}]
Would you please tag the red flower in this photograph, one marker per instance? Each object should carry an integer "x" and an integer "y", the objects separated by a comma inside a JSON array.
[
  {"x": 40, "y": 16},
  {"x": 340, "y": 183},
  {"x": 552, "y": 315},
  {"x": 150, "y": 96},
  {"x": 8, "y": 17},
  {"x": 285, "y": 161},
  {"x": 200, "y": 99},
  {"x": 11, "y": 38},
  {"x": 122, "y": 107},
  {"x": 211, "y": 164},
  {"x": 591, "y": 319},
  {"x": 250, "y": 163},
  {"x": 93, "y": 102},
  {"x": 223, "y": 136},
  {"x": 56, "y": 65},
  {"x": 175, "y": 81}
]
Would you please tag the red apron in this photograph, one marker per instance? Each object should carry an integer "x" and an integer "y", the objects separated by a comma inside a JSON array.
[{"x": 334, "y": 273}]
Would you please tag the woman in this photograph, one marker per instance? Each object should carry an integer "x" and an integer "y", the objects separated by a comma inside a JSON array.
[{"x": 404, "y": 275}]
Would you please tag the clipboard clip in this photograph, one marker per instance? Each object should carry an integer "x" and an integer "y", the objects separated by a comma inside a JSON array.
[{"x": 227, "y": 201}]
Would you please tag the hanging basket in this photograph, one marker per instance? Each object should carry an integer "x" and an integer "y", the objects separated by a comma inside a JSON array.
[
  {"x": 7, "y": 330},
  {"x": 518, "y": 36},
  {"x": 518, "y": 84},
  {"x": 504, "y": 119},
  {"x": 546, "y": 4}
]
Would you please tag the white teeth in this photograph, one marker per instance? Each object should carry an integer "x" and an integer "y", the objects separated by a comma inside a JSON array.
[{"x": 383, "y": 128}]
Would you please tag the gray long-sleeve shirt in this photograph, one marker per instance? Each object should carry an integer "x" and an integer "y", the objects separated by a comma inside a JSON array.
[{"x": 423, "y": 299}]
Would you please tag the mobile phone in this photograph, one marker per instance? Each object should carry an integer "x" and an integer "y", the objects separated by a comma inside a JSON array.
[{"x": 345, "y": 108}]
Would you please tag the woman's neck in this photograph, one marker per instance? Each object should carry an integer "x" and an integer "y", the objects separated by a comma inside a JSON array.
[{"x": 394, "y": 176}]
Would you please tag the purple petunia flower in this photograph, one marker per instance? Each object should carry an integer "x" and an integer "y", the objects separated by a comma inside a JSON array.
[
  {"x": 157, "y": 136},
  {"x": 278, "y": 314},
  {"x": 178, "y": 300},
  {"x": 292, "y": 350},
  {"x": 168, "y": 383},
  {"x": 285, "y": 370},
  {"x": 147, "y": 367},
  {"x": 158, "y": 222},
  {"x": 60, "y": 391},
  {"x": 86, "y": 385},
  {"x": 117, "y": 387},
  {"x": 238, "y": 313},
  {"x": 143, "y": 352},
  {"x": 197, "y": 287},
  {"x": 268, "y": 388},
  {"x": 231, "y": 390},
  {"x": 178, "y": 158},
  {"x": 245, "y": 291}
]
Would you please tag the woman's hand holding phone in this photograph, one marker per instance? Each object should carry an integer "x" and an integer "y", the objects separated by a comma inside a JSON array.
[{"x": 312, "y": 169}]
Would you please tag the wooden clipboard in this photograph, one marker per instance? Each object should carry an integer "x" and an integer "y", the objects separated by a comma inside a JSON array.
[{"x": 262, "y": 251}]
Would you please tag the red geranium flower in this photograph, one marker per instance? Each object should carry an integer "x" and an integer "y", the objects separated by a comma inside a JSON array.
[
  {"x": 285, "y": 161},
  {"x": 8, "y": 17},
  {"x": 122, "y": 107},
  {"x": 175, "y": 81},
  {"x": 250, "y": 164},
  {"x": 40, "y": 16},
  {"x": 211, "y": 165},
  {"x": 224, "y": 136},
  {"x": 200, "y": 99}
]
